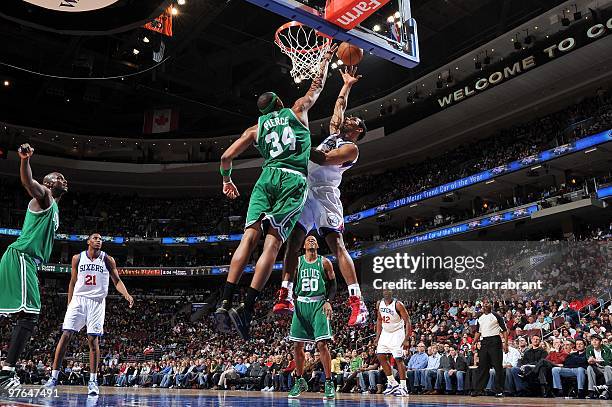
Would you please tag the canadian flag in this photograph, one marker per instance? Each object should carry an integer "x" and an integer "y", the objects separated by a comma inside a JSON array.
[{"x": 160, "y": 121}]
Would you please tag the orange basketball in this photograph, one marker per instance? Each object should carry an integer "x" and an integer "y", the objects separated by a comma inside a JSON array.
[{"x": 349, "y": 54}]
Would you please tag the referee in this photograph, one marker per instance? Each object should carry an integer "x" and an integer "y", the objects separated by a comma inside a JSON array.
[{"x": 490, "y": 325}]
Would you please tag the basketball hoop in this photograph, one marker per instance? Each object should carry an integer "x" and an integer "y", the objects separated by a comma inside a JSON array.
[{"x": 305, "y": 46}]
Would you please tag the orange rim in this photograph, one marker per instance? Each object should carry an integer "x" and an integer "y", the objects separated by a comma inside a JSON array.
[{"x": 290, "y": 24}]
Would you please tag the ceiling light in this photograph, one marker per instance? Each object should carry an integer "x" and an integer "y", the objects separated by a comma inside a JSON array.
[
  {"x": 181, "y": 2},
  {"x": 297, "y": 80},
  {"x": 174, "y": 11},
  {"x": 7, "y": 83},
  {"x": 135, "y": 51},
  {"x": 376, "y": 28},
  {"x": 145, "y": 40}
]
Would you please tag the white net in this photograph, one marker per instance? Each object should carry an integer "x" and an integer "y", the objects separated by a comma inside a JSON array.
[{"x": 306, "y": 48}]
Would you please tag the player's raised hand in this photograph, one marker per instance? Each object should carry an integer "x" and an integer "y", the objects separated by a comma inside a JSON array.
[
  {"x": 331, "y": 52},
  {"x": 25, "y": 151},
  {"x": 327, "y": 310},
  {"x": 230, "y": 190},
  {"x": 130, "y": 300},
  {"x": 349, "y": 75}
]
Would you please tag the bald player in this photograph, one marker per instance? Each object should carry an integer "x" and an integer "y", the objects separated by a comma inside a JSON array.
[{"x": 19, "y": 290}]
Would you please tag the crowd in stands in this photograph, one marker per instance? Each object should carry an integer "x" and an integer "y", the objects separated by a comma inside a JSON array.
[
  {"x": 559, "y": 341},
  {"x": 522, "y": 140},
  {"x": 126, "y": 215}
]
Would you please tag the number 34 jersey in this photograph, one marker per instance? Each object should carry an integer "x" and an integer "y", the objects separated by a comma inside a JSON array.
[
  {"x": 283, "y": 141},
  {"x": 92, "y": 277}
]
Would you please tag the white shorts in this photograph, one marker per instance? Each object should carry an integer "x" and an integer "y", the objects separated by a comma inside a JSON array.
[
  {"x": 322, "y": 210},
  {"x": 391, "y": 342},
  {"x": 83, "y": 311}
]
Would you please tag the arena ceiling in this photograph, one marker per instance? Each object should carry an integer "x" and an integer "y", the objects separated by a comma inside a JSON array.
[{"x": 219, "y": 59}]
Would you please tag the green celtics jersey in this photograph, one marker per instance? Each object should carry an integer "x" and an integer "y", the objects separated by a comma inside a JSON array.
[
  {"x": 283, "y": 141},
  {"x": 311, "y": 278},
  {"x": 38, "y": 233}
]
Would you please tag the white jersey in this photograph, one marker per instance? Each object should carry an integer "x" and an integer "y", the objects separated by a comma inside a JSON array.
[
  {"x": 328, "y": 175},
  {"x": 92, "y": 278},
  {"x": 391, "y": 319}
]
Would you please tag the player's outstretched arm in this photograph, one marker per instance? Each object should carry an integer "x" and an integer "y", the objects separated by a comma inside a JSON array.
[
  {"x": 114, "y": 274},
  {"x": 36, "y": 191},
  {"x": 349, "y": 77},
  {"x": 248, "y": 137},
  {"x": 338, "y": 156},
  {"x": 303, "y": 104},
  {"x": 74, "y": 273}
]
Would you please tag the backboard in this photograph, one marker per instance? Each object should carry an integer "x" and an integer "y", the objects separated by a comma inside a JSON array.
[{"x": 399, "y": 44}]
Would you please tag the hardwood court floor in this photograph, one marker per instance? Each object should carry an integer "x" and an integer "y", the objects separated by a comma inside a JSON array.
[{"x": 112, "y": 396}]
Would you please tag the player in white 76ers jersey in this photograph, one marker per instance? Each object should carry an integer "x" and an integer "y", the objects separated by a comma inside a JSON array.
[
  {"x": 323, "y": 208},
  {"x": 87, "y": 292},
  {"x": 393, "y": 330}
]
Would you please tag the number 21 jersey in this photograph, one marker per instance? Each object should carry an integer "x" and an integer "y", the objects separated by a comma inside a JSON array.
[
  {"x": 92, "y": 277},
  {"x": 283, "y": 141}
]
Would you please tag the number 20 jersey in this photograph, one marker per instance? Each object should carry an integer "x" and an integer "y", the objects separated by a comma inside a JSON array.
[
  {"x": 92, "y": 277},
  {"x": 283, "y": 141}
]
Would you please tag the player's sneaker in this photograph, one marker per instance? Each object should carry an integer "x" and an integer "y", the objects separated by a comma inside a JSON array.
[
  {"x": 8, "y": 380},
  {"x": 224, "y": 323},
  {"x": 401, "y": 392},
  {"x": 391, "y": 388},
  {"x": 92, "y": 388},
  {"x": 284, "y": 305},
  {"x": 330, "y": 391},
  {"x": 299, "y": 386},
  {"x": 359, "y": 311},
  {"x": 241, "y": 319},
  {"x": 51, "y": 383}
]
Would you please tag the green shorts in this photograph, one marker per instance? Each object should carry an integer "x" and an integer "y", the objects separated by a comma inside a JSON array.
[
  {"x": 309, "y": 323},
  {"x": 278, "y": 197},
  {"x": 18, "y": 283}
]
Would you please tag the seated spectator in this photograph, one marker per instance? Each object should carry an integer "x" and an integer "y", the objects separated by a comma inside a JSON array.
[
  {"x": 370, "y": 369},
  {"x": 530, "y": 358},
  {"x": 574, "y": 366},
  {"x": 417, "y": 362},
  {"x": 456, "y": 372},
  {"x": 429, "y": 373},
  {"x": 599, "y": 358}
]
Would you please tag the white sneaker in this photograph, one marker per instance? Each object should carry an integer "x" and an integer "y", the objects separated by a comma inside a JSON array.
[
  {"x": 50, "y": 384},
  {"x": 265, "y": 389},
  {"x": 401, "y": 392},
  {"x": 271, "y": 388},
  {"x": 92, "y": 388},
  {"x": 391, "y": 388}
]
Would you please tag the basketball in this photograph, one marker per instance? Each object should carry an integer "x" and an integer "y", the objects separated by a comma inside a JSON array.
[{"x": 349, "y": 54}]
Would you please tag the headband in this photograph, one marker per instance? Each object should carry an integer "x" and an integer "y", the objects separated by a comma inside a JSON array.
[{"x": 271, "y": 105}]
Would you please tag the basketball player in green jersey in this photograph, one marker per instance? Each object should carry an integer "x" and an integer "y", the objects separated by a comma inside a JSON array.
[
  {"x": 283, "y": 139},
  {"x": 19, "y": 293},
  {"x": 315, "y": 286}
]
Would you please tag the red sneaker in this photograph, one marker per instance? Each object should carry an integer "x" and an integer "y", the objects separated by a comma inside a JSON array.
[
  {"x": 284, "y": 304},
  {"x": 359, "y": 311}
]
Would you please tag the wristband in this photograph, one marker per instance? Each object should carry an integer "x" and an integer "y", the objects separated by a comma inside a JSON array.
[{"x": 224, "y": 172}]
